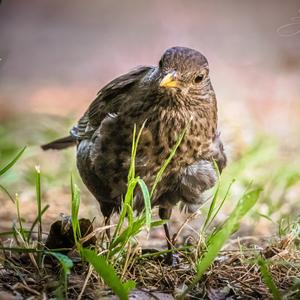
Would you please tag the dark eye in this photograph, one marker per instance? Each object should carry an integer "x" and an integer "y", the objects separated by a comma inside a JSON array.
[{"x": 198, "y": 78}]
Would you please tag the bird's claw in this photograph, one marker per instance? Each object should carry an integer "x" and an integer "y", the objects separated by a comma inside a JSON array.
[{"x": 172, "y": 259}]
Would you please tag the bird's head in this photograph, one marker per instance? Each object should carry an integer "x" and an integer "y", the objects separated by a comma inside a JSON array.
[{"x": 183, "y": 72}]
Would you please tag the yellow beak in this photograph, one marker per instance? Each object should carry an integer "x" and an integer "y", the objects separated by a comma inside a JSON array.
[{"x": 169, "y": 80}]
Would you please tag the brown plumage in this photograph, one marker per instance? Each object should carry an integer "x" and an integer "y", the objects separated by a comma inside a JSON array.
[{"x": 169, "y": 97}]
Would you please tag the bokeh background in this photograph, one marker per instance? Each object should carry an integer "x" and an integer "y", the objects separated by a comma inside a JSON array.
[{"x": 55, "y": 56}]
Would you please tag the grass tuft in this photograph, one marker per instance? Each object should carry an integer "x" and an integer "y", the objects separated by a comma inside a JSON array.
[{"x": 220, "y": 236}]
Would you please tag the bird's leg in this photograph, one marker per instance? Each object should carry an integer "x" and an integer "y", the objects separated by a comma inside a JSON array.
[
  {"x": 168, "y": 238},
  {"x": 107, "y": 223},
  {"x": 165, "y": 214}
]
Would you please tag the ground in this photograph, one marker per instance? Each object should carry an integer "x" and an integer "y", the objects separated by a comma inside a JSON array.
[{"x": 269, "y": 233}]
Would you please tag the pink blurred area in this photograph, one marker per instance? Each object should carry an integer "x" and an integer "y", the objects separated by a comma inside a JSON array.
[{"x": 55, "y": 55}]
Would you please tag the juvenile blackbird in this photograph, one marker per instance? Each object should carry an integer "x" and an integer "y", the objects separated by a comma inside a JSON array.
[{"x": 173, "y": 96}]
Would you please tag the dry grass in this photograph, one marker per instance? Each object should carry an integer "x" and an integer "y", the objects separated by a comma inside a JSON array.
[{"x": 235, "y": 273}]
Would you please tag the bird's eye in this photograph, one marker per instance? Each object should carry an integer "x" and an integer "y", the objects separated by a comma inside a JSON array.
[{"x": 198, "y": 78}]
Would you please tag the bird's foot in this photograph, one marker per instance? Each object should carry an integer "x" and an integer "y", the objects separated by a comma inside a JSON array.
[{"x": 172, "y": 259}]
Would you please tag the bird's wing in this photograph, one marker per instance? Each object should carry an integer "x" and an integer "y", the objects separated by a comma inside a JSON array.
[{"x": 110, "y": 100}]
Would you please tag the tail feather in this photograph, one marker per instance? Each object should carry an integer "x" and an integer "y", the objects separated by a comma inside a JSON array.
[{"x": 61, "y": 143}]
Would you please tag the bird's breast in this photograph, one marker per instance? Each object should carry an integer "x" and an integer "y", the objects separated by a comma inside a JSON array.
[{"x": 164, "y": 132}]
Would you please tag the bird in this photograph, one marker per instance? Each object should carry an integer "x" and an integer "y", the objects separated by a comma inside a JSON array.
[{"x": 173, "y": 96}]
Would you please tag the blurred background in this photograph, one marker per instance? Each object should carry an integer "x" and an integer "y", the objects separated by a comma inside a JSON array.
[{"x": 56, "y": 55}]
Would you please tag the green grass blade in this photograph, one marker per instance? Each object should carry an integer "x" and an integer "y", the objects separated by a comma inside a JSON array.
[
  {"x": 5, "y": 233},
  {"x": 135, "y": 142},
  {"x": 158, "y": 223},
  {"x": 75, "y": 203},
  {"x": 131, "y": 231},
  {"x": 64, "y": 260},
  {"x": 147, "y": 203},
  {"x": 7, "y": 193},
  {"x": 127, "y": 201},
  {"x": 21, "y": 230},
  {"x": 243, "y": 206},
  {"x": 11, "y": 163},
  {"x": 108, "y": 274},
  {"x": 36, "y": 221},
  {"x": 123, "y": 237},
  {"x": 167, "y": 161},
  {"x": 130, "y": 215},
  {"x": 220, "y": 206},
  {"x": 39, "y": 211},
  {"x": 67, "y": 265},
  {"x": 212, "y": 206},
  {"x": 267, "y": 278},
  {"x": 129, "y": 285},
  {"x": 131, "y": 172}
]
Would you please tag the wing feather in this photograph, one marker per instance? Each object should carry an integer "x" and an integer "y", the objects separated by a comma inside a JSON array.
[{"x": 110, "y": 99}]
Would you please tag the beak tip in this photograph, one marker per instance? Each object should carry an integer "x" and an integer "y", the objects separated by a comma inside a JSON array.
[{"x": 169, "y": 80}]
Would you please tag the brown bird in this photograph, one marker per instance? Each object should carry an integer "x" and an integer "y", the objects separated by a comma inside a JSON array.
[{"x": 173, "y": 96}]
